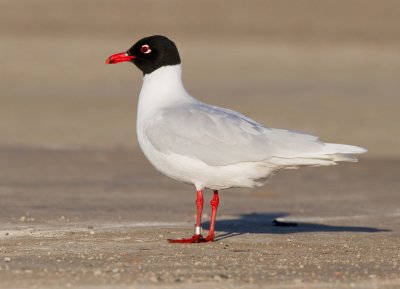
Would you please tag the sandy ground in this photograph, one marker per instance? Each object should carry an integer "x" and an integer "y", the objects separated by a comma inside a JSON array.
[
  {"x": 80, "y": 207},
  {"x": 101, "y": 218}
]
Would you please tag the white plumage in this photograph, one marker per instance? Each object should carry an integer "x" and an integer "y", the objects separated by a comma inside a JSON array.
[{"x": 217, "y": 148}]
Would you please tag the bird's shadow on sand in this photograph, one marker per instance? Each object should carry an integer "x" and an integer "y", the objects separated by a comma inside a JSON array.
[{"x": 257, "y": 223}]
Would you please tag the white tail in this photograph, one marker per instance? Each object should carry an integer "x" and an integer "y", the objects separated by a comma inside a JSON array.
[{"x": 330, "y": 154}]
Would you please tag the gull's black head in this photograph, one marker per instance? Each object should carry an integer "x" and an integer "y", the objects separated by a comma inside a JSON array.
[{"x": 149, "y": 54}]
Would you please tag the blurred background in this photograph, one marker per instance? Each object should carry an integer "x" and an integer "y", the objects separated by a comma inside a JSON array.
[{"x": 329, "y": 68}]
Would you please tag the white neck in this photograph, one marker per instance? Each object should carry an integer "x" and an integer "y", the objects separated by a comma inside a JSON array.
[{"x": 161, "y": 88}]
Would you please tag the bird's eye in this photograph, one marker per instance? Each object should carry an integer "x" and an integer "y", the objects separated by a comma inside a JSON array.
[{"x": 145, "y": 49}]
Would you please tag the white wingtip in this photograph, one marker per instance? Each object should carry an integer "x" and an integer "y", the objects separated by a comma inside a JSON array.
[{"x": 344, "y": 149}]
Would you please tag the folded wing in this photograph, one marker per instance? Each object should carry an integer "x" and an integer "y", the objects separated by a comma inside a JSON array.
[{"x": 221, "y": 137}]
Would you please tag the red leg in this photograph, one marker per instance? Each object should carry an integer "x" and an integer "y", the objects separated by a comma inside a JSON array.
[
  {"x": 199, "y": 205},
  {"x": 197, "y": 237},
  {"x": 214, "y": 206}
]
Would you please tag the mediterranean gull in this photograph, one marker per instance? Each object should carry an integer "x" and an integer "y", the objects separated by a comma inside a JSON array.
[{"x": 208, "y": 146}]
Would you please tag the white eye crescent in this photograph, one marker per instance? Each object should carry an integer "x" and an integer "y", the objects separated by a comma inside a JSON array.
[{"x": 145, "y": 49}]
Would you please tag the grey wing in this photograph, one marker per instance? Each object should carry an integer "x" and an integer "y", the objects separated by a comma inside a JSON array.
[
  {"x": 213, "y": 135},
  {"x": 220, "y": 137}
]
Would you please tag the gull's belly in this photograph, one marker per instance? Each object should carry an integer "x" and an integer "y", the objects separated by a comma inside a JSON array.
[{"x": 193, "y": 171}]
